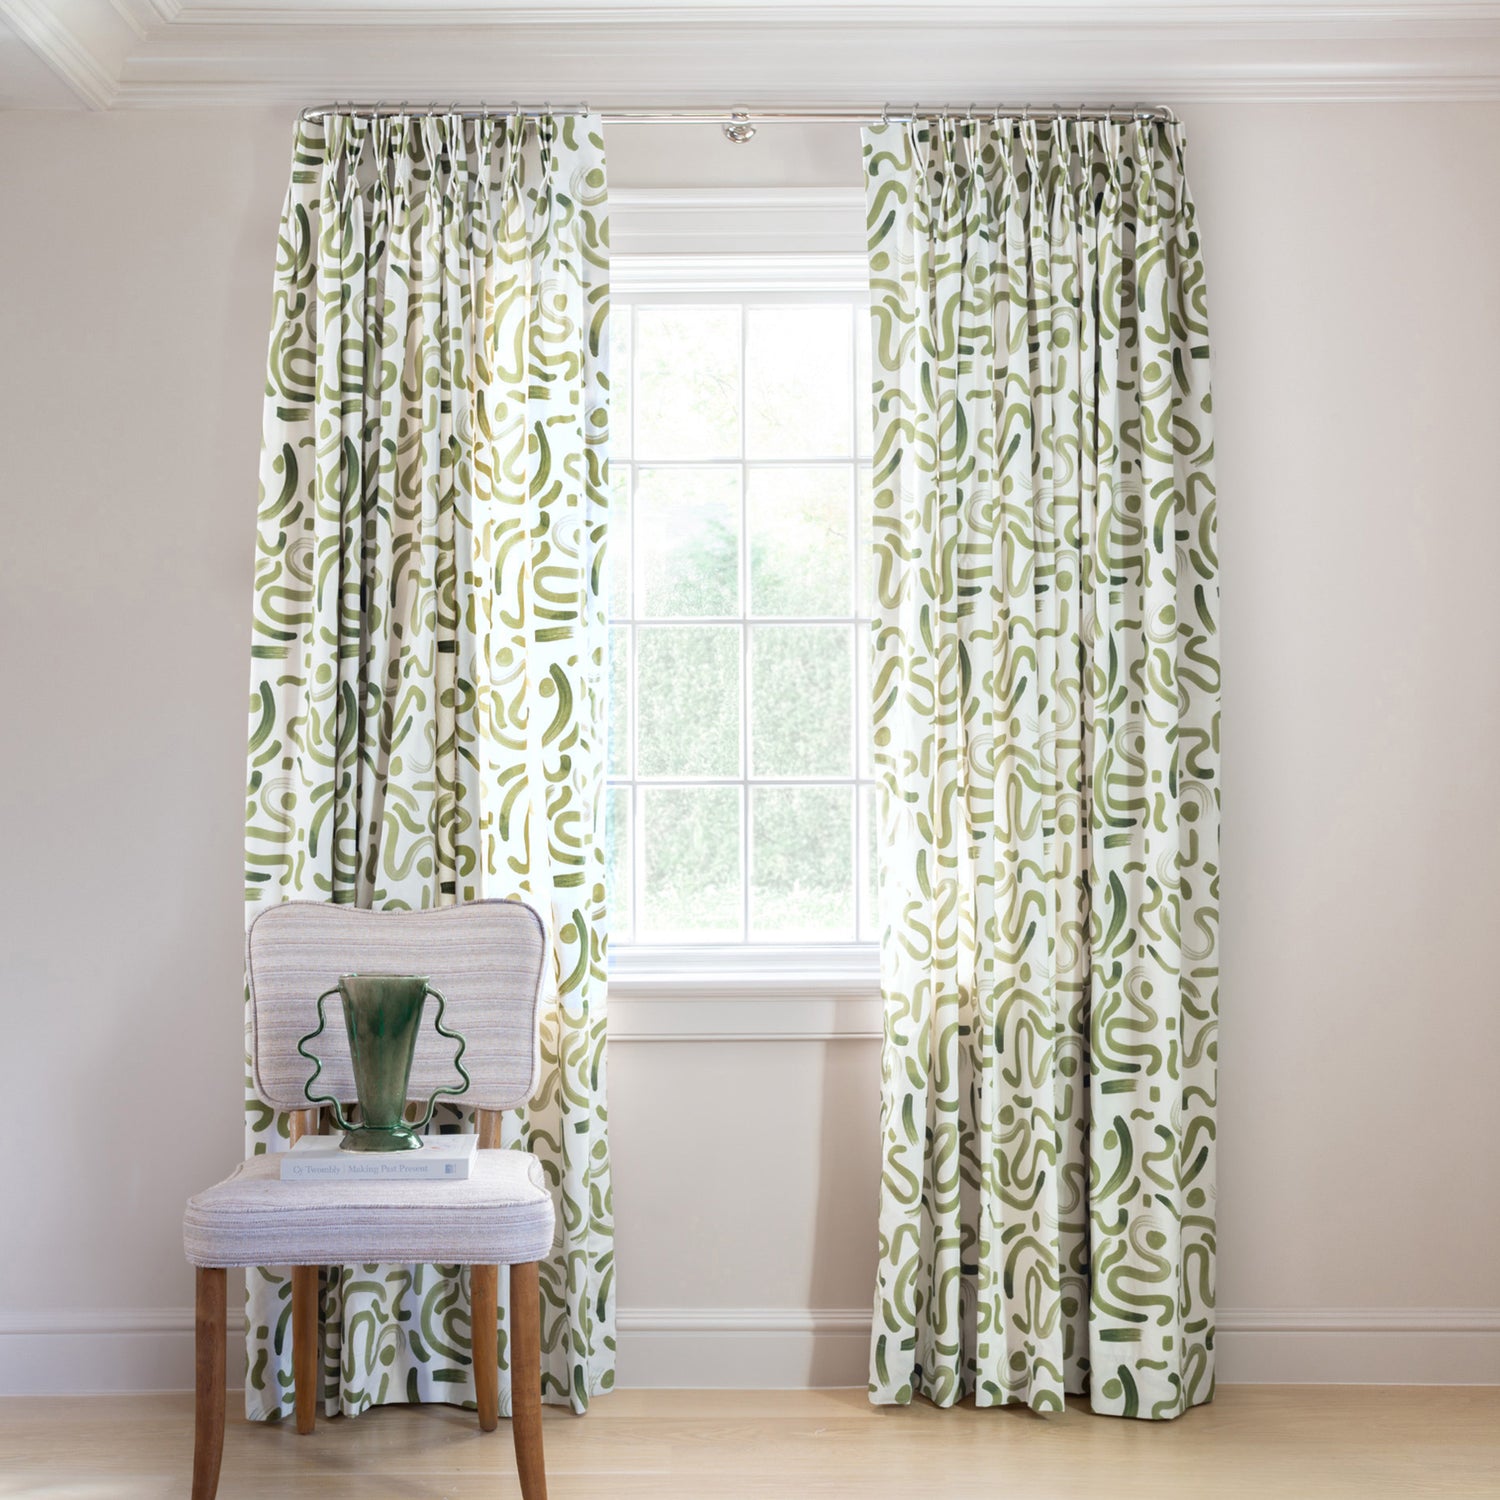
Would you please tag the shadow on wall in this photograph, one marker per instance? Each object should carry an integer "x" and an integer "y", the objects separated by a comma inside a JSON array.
[{"x": 841, "y": 1288}]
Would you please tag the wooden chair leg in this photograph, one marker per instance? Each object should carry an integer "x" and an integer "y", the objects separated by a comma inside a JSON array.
[
  {"x": 526, "y": 1379},
  {"x": 307, "y": 1356},
  {"x": 484, "y": 1313},
  {"x": 208, "y": 1402}
]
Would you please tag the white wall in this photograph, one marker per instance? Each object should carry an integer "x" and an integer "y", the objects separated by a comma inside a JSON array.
[{"x": 1356, "y": 312}]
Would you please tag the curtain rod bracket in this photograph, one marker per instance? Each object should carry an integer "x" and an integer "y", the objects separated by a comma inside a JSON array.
[{"x": 738, "y": 130}]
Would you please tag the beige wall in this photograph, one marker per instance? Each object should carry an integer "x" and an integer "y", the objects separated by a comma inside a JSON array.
[{"x": 1356, "y": 310}]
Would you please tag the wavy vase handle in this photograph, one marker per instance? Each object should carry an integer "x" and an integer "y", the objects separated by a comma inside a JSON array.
[
  {"x": 453, "y": 1036},
  {"x": 317, "y": 1062}
]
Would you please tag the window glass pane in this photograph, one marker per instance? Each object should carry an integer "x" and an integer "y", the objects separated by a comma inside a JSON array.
[
  {"x": 869, "y": 916},
  {"x": 799, "y": 540},
  {"x": 687, "y": 382},
  {"x": 688, "y": 699},
  {"x": 688, "y": 539},
  {"x": 801, "y": 861},
  {"x": 619, "y": 382},
  {"x": 691, "y": 864},
  {"x": 864, "y": 406},
  {"x": 864, "y": 662},
  {"x": 798, "y": 379},
  {"x": 864, "y": 545},
  {"x": 801, "y": 694},
  {"x": 617, "y": 865},
  {"x": 617, "y": 546},
  {"x": 619, "y": 700}
]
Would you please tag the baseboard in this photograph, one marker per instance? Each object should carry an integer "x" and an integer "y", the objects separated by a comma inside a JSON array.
[
  {"x": 1360, "y": 1346},
  {"x": 747, "y": 1349},
  {"x": 104, "y": 1351},
  {"x": 742, "y": 1348},
  {"x": 63, "y": 1352}
]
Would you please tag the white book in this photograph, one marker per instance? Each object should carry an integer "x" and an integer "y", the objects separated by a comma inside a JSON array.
[{"x": 319, "y": 1158}]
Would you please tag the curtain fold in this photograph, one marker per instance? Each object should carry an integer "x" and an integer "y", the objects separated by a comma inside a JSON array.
[
  {"x": 1045, "y": 691},
  {"x": 427, "y": 701}
]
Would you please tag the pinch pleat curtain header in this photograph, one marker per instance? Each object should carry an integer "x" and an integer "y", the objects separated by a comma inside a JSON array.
[{"x": 1130, "y": 167}]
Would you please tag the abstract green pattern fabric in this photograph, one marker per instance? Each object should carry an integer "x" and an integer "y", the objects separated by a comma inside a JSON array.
[
  {"x": 427, "y": 699},
  {"x": 1046, "y": 690}
]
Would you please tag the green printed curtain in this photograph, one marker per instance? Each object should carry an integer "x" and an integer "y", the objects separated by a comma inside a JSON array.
[
  {"x": 1046, "y": 690},
  {"x": 426, "y": 705}
]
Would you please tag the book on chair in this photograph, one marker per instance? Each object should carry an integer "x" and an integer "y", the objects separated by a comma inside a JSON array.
[{"x": 319, "y": 1158}]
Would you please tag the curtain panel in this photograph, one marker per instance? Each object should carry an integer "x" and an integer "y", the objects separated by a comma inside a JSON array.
[
  {"x": 427, "y": 703},
  {"x": 1046, "y": 690}
]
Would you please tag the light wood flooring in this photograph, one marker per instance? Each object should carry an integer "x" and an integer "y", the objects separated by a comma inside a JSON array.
[{"x": 1258, "y": 1442}]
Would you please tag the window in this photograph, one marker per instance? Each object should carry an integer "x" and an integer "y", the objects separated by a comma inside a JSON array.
[{"x": 740, "y": 803}]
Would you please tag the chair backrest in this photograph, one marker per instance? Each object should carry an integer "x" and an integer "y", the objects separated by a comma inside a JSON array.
[{"x": 485, "y": 956}]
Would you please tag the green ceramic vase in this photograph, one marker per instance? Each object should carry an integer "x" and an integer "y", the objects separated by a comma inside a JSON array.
[{"x": 382, "y": 1015}]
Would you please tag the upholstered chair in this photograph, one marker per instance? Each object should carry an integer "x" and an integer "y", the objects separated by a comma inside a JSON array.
[{"x": 487, "y": 958}]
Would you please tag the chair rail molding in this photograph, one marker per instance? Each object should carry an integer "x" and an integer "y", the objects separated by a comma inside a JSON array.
[
  {"x": 154, "y": 53},
  {"x": 66, "y": 1351}
]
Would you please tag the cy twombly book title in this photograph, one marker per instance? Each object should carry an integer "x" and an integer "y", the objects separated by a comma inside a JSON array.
[{"x": 318, "y": 1158}]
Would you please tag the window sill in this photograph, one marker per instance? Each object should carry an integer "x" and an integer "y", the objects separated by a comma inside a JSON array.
[{"x": 744, "y": 994}]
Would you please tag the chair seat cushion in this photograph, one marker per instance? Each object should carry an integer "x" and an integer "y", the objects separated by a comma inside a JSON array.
[{"x": 502, "y": 1215}]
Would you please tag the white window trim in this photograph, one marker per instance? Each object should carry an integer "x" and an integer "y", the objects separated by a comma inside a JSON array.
[
  {"x": 679, "y": 277},
  {"x": 742, "y": 992},
  {"x": 774, "y": 222},
  {"x": 748, "y": 970}
]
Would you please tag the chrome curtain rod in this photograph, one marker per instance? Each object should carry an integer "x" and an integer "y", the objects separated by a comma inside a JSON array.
[{"x": 741, "y": 118}]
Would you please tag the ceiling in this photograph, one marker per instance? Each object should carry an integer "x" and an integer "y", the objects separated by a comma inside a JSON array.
[{"x": 127, "y": 54}]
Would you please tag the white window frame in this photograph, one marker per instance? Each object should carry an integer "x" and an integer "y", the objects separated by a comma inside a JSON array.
[{"x": 745, "y": 990}]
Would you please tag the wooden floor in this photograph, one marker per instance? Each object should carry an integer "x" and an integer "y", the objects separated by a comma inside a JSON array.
[{"x": 1258, "y": 1442}]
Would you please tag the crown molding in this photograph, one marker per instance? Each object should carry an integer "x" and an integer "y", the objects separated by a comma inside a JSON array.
[
  {"x": 196, "y": 53},
  {"x": 142, "y": 15},
  {"x": 65, "y": 42},
  {"x": 1281, "y": 17}
]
